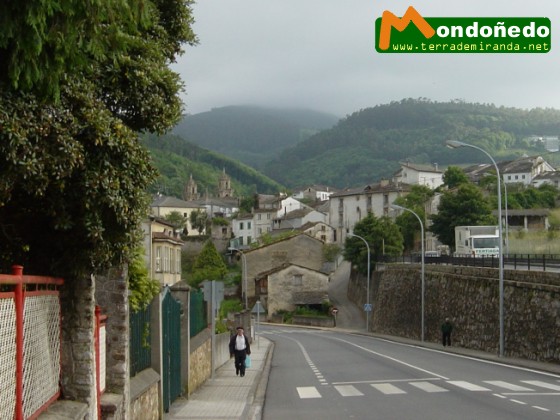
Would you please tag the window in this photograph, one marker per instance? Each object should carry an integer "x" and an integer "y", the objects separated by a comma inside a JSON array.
[
  {"x": 248, "y": 240},
  {"x": 240, "y": 240},
  {"x": 241, "y": 227},
  {"x": 165, "y": 259},
  {"x": 516, "y": 176},
  {"x": 248, "y": 225},
  {"x": 260, "y": 231},
  {"x": 158, "y": 259},
  {"x": 297, "y": 280},
  {"x": 509, "y": 177},
  {"x": 259, "y": 216},
  {"x": 172, "y": 261},
  {"x": 178, "y": 262},
  {"x": 268, "y": 216}
]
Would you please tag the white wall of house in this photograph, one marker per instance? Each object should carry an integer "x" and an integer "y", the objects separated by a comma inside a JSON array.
[
  {"x": 288, "y": 205},
  {"x": 183, "y": 207},
  {"x": 162, "y": 252},
  {"x": 243, "y": 231},
  {"x": 347, "y": 209}
]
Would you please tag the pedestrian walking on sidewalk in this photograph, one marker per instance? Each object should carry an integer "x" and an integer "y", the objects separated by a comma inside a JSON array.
[
  {"x": 239, "y": 348},
  {"x": 446, "y": 329}
]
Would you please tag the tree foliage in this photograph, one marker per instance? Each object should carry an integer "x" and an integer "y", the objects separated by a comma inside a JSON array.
[
  {"x": 465, "y": 206},
  {"x": 142, "y": 287},
  {"x": 199, "y": 220},
  {"x": 454, "y": 176},
  {"x": 78, "y": 81},
  {"x": 382, "y": 236},
  {"x": 416, "y": 200},
  {"x": 370, "y": 143},
  {"x": 208, "y": 265}
]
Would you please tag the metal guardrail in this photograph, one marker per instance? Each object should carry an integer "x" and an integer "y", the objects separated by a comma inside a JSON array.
[{"x": 542, "y": 262}]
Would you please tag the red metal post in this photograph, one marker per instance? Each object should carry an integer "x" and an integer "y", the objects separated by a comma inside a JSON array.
[
  {"x": 17, "y": 270},
  {"x": 98, "y": 359}
]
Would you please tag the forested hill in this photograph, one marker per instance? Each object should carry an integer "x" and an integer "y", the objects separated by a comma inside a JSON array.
[
  {"x": 252, "y": 135},
  {"x": 367, "y": 145},
  {"x": 177, "y": 159}
]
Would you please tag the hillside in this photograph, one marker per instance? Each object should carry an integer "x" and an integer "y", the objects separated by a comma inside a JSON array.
[
  {"x": 177, "y": 159},
  {"x": 252, "y": 135},
  {"x": 367, "y": 145}
]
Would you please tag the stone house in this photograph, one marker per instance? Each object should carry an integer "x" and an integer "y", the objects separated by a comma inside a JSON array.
[
  {"x": 288, "y": 286},
  {"x": 301, "y": 250},
  {"x": 319, "y": 230}
]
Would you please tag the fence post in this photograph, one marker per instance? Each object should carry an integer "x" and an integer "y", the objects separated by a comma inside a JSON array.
[{"x": 17, "y": 270}]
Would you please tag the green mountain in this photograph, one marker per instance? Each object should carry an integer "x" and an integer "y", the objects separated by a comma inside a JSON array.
[
  {"x": 252, "y": 135},
  {"x": 369, "y": 144},
  {"x": 177, "y": 159}
]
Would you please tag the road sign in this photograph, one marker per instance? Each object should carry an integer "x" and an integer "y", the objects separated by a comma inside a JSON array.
[{"x": 367, "y": 307}]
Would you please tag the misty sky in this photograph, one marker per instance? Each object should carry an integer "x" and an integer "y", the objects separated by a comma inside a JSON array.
[{"x": 320, "y": 54}]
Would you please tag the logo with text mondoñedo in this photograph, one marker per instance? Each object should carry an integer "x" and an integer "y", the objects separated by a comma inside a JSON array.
[{"x": 413, "y": 33}]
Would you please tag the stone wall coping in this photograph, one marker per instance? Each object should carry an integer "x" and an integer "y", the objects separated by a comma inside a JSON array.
[
  {"x": 65, "y": 410},
  {"x": 199, "y": 339},
  {"x": 141, "y": 382}
]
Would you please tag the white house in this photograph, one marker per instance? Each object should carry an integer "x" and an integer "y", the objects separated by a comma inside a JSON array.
[
  {"x": 162, "y": 251},
  {"x": 524, "y": 170},
  {"x": 349, "y": 206},
  {"x": 315, "y": 193},
  {"x": 551, "y": 178},
  {"x": 415, "y": 174},
  {"x": 163, "y": 205}
]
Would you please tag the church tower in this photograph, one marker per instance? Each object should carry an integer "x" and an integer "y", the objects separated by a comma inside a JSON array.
[
  {"x": 224, "y": 185},
  {"x": 190, "y": 193}
]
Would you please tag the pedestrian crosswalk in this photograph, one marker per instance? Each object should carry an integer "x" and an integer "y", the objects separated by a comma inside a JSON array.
[{"x": 436, "y": 386}]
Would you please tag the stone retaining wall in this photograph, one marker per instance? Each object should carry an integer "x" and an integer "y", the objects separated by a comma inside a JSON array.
[{"x": 470, "y": 298}]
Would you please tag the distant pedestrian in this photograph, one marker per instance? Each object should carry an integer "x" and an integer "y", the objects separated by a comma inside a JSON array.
[
  {"x": 239, "y": 348},
  {"x": 446, "y": 329}
]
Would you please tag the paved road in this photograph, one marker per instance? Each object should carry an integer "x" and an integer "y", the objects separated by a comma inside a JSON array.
[
  {"x": 349, "y": 315},
  {"x": 326, "y": 374}
]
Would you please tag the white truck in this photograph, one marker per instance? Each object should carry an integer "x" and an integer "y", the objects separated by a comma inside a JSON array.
[{"x": 477, "y": 241}]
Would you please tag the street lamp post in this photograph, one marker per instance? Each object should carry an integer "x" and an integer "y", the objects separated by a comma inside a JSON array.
[
  {"x": 368, "y": 305},
  {"x": 395, "y": 206},
  {"x": 244, "y": 269},
  {"x": 454, "y": 144}
]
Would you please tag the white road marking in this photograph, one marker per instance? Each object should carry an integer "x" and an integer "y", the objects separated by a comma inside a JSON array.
[
  {"x": 348, "y": 391},
  {"x": 308, "y": 392},
  {"x": 468, "y": 386},
  {"x": 507, "y": 385},
  {"x": 388, "y": 389},
  {"x": 428, "y": 387},
  {"x": 386, "y": 381},
  {"x": 518, "y": 402},
  {"x": 543, "y": 385},
  {"x": 390, "y": 358},
  {"x": 540, "y": 408}
]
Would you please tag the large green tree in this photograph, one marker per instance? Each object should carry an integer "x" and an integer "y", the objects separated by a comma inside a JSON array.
[
  {"x": 416, "y": 200},
  {"x": 465, "y": 206},
  {"x": 208, "y": 265},
  {"x": 78, "y": 81},
  {"x": 382, "y": 236}
]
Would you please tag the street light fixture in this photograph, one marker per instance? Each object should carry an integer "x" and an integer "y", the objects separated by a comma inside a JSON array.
[
  {"x": 244, "y": 269},
  {"x": 397, "y": 207},
  {"x": 368, "y": 305},
  {"x": 454, "y": 144}
]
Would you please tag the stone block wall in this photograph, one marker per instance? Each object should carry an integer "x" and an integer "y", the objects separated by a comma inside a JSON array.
[
  {"x": 470, "y": 298},
  {"x": 146, "y": 406},
  {"x": 200, "y": 362}
]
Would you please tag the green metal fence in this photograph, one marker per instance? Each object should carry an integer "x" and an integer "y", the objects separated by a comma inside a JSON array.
[
  {"x": 198, "y": 319},
  {"x": 171, "y": 347},
  {"x": 140, "y": 338}
]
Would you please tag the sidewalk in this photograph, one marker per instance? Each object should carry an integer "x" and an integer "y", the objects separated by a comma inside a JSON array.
[{"x": 227, "y": 396}]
